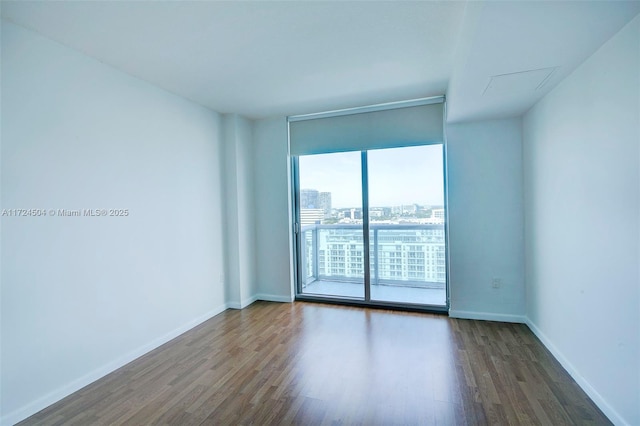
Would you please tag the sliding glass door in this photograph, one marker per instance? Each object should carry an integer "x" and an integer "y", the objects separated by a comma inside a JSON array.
[
  {"x": 406, "y": 225},
  {"x": 393, "y": 197},
  {"x": 370, "y": 211}
]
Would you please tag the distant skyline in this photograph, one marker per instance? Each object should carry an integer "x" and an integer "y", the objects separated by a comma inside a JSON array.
[{"x": 398, "y": 176}]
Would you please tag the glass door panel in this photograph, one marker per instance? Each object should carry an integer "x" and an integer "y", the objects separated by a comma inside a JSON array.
[
  {"x": 331, "y": 254},
  {"x": 406, "y": 225}
]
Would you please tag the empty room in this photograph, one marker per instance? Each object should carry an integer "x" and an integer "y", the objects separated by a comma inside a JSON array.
[{"x": 320, "y": 212}]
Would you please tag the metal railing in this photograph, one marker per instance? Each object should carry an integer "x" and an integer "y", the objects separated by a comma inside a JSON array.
[{"x": 400, "y": 255}]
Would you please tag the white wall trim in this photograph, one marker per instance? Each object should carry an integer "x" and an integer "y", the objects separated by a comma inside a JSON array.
[
  {"x": 575, "y": 374},
  {"x": 260, "y": 296},
  {"x": 274, "y": 298},
  {"x": 248, "y": 301},
  {"x": 60, "y": 393},
  {"x": 487, "y": 316},
  {"x": 243, "y": 303}
]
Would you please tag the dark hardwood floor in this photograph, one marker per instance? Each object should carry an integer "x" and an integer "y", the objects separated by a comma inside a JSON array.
[{"x": 306, "y": 363}]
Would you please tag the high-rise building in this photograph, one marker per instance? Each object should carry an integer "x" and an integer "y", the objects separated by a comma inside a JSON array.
[
  {"x": 324, "y": 200},
  {"x": 309, "y": 199},
  {"x": 400, "y": 254}
]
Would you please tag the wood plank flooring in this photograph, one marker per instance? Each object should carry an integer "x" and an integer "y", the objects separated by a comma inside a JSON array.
[{"x": 308, "y": 363}]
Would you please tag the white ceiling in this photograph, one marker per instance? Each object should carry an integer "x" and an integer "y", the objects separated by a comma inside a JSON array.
[
  {"x": 515, "y": 36},
  {"x": 267, "y": 58}
]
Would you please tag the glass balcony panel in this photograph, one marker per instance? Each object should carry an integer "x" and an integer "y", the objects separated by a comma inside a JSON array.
[{"x": 403, "y": 262}]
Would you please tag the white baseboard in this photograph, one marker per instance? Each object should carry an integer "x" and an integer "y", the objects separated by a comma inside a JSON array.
[
  {"x": 60, "y": 393},
  {"x": 608, "y": 411},
  {"x": 246, "y": 302},
  {"x": 260, "y": 296},
  {"x": 487, "y": 316},
  {"x": 274, "y": 298},
  {"x": 243, "y": 303}
]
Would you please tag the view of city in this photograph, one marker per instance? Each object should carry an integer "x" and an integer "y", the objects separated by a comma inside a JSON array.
[{"x": 406, "y": 243}]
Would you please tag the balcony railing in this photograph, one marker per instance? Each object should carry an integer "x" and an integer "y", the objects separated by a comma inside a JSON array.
[{"x": 400, "y": 255}]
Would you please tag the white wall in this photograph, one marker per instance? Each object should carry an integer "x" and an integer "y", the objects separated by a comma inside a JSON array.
[
  {"x": 239, "y": 203},
  {"x": 582, "y": 186},
  {"x": 83, "y": 295},
  {"x": 486, "y": 220},
  {"x": 273, "y": 236}
]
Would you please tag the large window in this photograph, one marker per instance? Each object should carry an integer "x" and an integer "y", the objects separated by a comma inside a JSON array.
[{"x": 370, "y": 206}]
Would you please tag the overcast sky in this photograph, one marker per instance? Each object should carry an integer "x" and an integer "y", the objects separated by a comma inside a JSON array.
[{"x": 396, "y": 176}]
